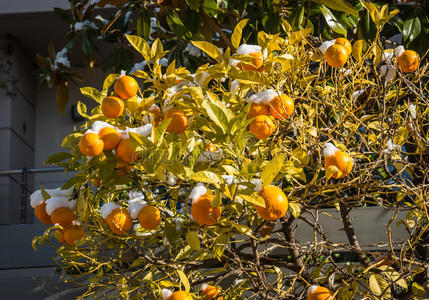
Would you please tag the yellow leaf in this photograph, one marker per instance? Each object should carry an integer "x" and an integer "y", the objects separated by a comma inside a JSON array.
[
  {"x": 140, "y": 45},
  {"x": 238, "y": 30},
  {"x": 401, "y": 136},
  {"x": 359, "y": 48},
  {"x": 254, "y": 199},
  {"x": 331, "y": 170},
  {"x": 378, "y": 284},
  {"x": 210, "y": 49},
  {"x": 295, "y": 209},
  {"x": 300, "y": 157},
  {"x": 272, "y": 168},
  {"x": 206, "y": 177},
  {"x": 193, "y": 240},
  {"x": 184, "y": 280}
]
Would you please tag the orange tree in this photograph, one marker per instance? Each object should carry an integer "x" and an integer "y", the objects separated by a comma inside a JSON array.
[{"x": 207, "y": 176}]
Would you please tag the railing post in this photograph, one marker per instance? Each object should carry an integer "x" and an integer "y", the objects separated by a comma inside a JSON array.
[{"x": 24, "y": 182}]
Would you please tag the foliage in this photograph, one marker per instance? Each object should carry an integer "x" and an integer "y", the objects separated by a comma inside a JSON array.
[
  {"x": 176, "y": 22},
  {"x": 382, "y": 124}
]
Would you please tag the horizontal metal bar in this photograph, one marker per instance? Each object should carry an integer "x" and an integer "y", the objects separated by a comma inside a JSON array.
[{"x": 31, "y": 170}]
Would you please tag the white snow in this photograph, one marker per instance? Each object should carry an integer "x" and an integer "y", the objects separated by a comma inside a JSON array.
[
  {"x": 85, "y": 25},
  {"x": 144, "y": 130},
  {"x": 203, "y": 286},
  {"x": 135, "y": 207},
  {"x": 172, "y": 180},
  {"x": 192, "y": 50},
  {"x": 357, "y": 94},
  {"x": 198, "y": 191},
  {"x": 61, "y": 58},
  {"x": 258, "y": 184},
  {"x": 98, "y": 125},
  {"x": 325, "y": 45},
  {"x": 399, "y": 50},
  {"x": 166, "y": 293},
  {"x": 235, "y": 85},
  {"x": 329, "y": 150},
  {"x": 246, "y": 49},
  {"x": 311, "y": 289},
  {"x": 58, "y": 201},
  {"x": 107, "y": 209},
  {"x": 263, "y": 97},
  {"x": 412, "y": 109}
]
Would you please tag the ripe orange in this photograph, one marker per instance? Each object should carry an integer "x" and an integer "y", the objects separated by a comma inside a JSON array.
[
  {"x": 112, "y": 107},
  {"x": 91, "y": 144},
  {"x": 257, "y": 109},
  {"x": 203, "y": 212},
  {"x": 110, "y": 136},
  {"x": 344, "y": 163},
  {"x": 346, "y": 44},
  {"x": 179, "y": 295},
  {"x": 149, "y": 217},
  {"x": 408, "y": 61},
  {"x": 73, "y": 233},
  {"x": 210, "y": 147},
  {"x": 42, "y": 215},
  {"x": 262, "y": 127},
  {"x": 157, "y": 114},
  {"x": 320, "y": 293},
  {"x": 211, "y": 292},
  {"x": 276, "y": 203},
  {"x": 256, "y": 63},
  {"x": 179, "y": 121},
  {"x": 60, "y": 235},
  {"x": 125, "y": 87},
  {"x": 281, "y": 107},
  {"x": 336, "y": 56},
  {"x": 63, "y": 216},
  {"x": 125, "y": 152},
  {"x": 119, "y": 220}
]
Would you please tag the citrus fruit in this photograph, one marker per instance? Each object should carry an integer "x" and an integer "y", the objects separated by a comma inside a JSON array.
[
  {"x": 336, "y": 56},
  {"x": 281, "y": 107},
  {"x": 73, "y": 233},
  {"x": 210, "y": 292},
  {"x": 408, "y": 61},
  {"x": 112, "y": 107},
  {"x": 276, "y": 203},
  {"x": 179, "y": 121},
  {"x": 125, "y": 87},
  {"x": 257, "y": 109},
  {"x": 149, "y": 217},
  {"x": 90, "y": 144},
  {"x": 125, "y": 152},
  {"x": 345, "y": 43},
  {"x": 210, "y": 147},
  {"x": 179, "y": 295},
  {"x": 119, "y": 220},
  {"x": 42, "y": 215},
  {"x": 110, "y": 136},
  {"x": 262, "y": 127},
  {"x": 203, "y": 212},
  {"x": 63, "y": 216},
  {"x": 256, "y": 63},
  {"x": 344, "y": 163},
  {"x": 319, "y": 293},
  {"x": 60, "y": 235}
]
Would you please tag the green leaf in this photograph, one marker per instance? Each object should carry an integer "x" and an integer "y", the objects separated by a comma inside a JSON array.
[
  {"x": 45, "y": 195},
  {"x": 206, "y": 177},
  {"x": 184, "y": 280},
  {"x": 412, "y": 28},
  {"x": 108, "y": 82},
  {"x": 193, "y": 240},
  {"x": 272, "y": 168},
  {"x": 340, "y": 5},
  {"x": 394, "y": 276},
  {"x": 238, "y": 31},
  {"x": 72, "y": 181},
  {"x": 295, "y": 209},
  {"x": 62, "y": 97},
  {"x": 194, "y": 4},
  {"x": 210, "y": 49},
  {"x": 81, "y": 206},
  {"x": 140, "y": 45},
  {"x": 211, "y": 7},
  {"x": 332, "y": 22},
  {"x": 57, "y": 157},
  {"x": 184, "y": 253},
  {"x": 143, "y": 23},
  {"x": 92, "y": 93},
  {"x": 243, "y": 229}
]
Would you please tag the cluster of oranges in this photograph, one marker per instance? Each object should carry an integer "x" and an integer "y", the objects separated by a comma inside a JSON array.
[
  {"x": 58, "y": 210},
  {"x": 265, "y": 107},
  {"x": 207, "y": 292}
]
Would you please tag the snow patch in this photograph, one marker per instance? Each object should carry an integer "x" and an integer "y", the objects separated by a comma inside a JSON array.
[
  {"x": 56, "y": 202},
  {"x": 329, "y": 150},
  {"x": 198, "y": 191},
  {"x": 263, "y": 97},
  {"x": 107, "y": 209}
]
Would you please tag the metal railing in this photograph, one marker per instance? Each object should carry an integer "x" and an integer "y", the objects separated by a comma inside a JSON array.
[{"x": 23, "y": 183}]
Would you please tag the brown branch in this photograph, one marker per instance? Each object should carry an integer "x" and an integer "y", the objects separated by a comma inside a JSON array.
[
  {"x": 348, "y": 228},
  {"x": 290, "y": 236}
]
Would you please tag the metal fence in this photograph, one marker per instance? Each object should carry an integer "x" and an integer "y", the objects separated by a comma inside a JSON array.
[{"x": 26, "y": 183}]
